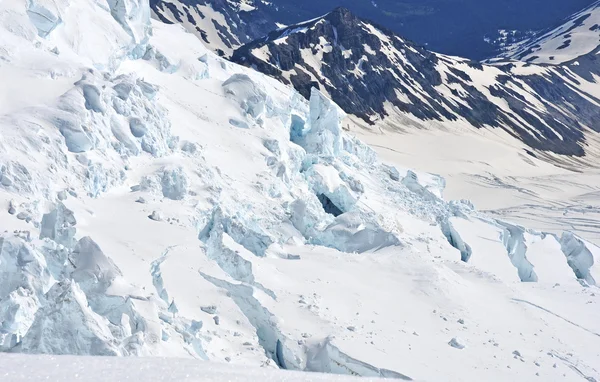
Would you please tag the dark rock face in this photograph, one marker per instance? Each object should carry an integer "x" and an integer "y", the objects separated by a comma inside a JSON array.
[
  {"x": 466, "y": 28},
  {"x": 549, "y": 45},
  {"x": 372, "y": 73},
  {"x": 241, "y": 26}
]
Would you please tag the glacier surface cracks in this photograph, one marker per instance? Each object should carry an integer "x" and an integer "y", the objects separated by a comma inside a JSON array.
[{"x": 318, "y": 187}]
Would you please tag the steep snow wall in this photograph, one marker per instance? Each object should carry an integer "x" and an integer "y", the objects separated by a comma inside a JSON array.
[{"x": 579, "y": 257}]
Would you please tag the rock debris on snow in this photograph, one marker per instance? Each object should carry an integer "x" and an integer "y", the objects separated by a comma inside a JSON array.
[
  {"x": 211, "y": 309},
  {"x": 127, "y": 102},
  {"x": 156, "y": 216},
  {"x": 456, "y": 343}
]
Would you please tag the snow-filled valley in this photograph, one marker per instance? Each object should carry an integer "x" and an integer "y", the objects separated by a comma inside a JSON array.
[{"x": 159, "y": 201}]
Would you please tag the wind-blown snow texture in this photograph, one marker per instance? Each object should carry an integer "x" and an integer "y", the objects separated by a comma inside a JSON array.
[{"x": 160, "y": 201}]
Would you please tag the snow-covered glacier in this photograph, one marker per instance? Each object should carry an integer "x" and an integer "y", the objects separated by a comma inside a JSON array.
[{"x": 158, "y": 200}]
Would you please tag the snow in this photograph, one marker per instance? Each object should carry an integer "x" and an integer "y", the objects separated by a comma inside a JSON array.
[
  {"x": 65, "y": 368},
  {"x": 283, "y": 244},
  {"x": 205, "y": 23},
  {"x": 577, "y": 36}
]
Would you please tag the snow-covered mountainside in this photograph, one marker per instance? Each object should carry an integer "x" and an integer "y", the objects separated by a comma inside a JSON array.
[
  {"x": 222, "y": 25},
  {"x": 158, "y": 200},
  {"x": 373, "y": 74},
  {"x": 469, "y": 26},
  {"x": 577, "y": 36}
]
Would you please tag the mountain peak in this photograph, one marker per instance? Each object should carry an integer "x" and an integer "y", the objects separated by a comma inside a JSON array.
[
  {"x": 373, "y": 74},
  {"x": 343, "y": 11}
]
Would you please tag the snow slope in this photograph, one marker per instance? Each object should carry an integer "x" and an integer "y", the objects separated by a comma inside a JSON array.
[
  {"x": 493, "y": 170},
  {"x": 22, "y": 368},
  {"x": 160, "y": 201},
  {"x": 387, "y": 81},
  {"x": 222, "y": 25},
  {"x": 578, "y": 35}
]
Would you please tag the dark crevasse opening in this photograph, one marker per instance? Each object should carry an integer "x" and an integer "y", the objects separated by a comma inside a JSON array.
[
  {"x": 329, "y": 206},
  {"x": 296, "y": 129}
]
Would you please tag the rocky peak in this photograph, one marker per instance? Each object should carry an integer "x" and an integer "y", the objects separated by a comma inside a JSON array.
[{"x": 380, "y": 77}]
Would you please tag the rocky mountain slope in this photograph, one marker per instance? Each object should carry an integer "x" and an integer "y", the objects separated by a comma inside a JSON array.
[
  {"x": 468, "y": 25},
  {"x": 222, "y": 25},
  {"x": 158, "y": 200},
  {"x": 578, "y": 35},
  {"x": 376, "y": 75}
]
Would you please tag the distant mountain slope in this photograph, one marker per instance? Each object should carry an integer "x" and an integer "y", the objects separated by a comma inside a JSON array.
[
  {"x": 373, "y": 74},
  {"x": 576, "y": 36},
  {"x": 157, "y": 200},
  {"x": 466, "y": 25},
  {"x": 222, "y": 25}
]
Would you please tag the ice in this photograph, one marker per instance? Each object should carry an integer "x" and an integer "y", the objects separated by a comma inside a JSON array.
[
  {"x": 124, "y": 89},
  {"x": 137, "y": 127},
  {"x": 392, "y": 172},
  {"x": 326, "y": 181},
  {"x": 124, "y": 136},
  {"x": 264, "y": 322},
  {"x": 156, "y": 216},
  {"x": 514, "y": 241},
  {"x": 350, "y": 233},
  {"x": 66, "y": 325},
  {"x": 92, "y": 97},
  {"x": 456, "y": 240},
  {"x": 327, "y": 358},
  {"x": 411, "y": 181},
  {"x": 44, "y": 15},
  {"x": 308, "y": 217},
  {"x": 93, "y": 270},
  {"x": 76, "y": 139},
  {"x": 100, "y": 178},
  {"x": 363, "y": 152},
  {"x": 15, "y": 176},
  {"x": 59, "y": 225},
  {"x": 242, "y": 229},
  {"x": 174, "y": 183},
  {"x": 283, "y": 244},
  {"x": 134, "y": 17},
  {"x": 579, "y": 257},
  {"x": 323, "y": 135},
  {"x": 246, "y": 93},
  {"x": 17, "y": 312},
  {"x": 24, "y": 279}
]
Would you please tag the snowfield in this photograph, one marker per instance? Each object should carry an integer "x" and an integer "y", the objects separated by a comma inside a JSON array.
[
  {"x": 23, "y": 368},
  {"x": 159, "y": 201}
]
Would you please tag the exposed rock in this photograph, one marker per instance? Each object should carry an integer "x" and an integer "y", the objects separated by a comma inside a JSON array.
[
  {"x": 366, "y": 68},
  {"x": 212, "y": 309},
  {"x": 456, "y": 343},
  {"x": 156, "y": 216}
]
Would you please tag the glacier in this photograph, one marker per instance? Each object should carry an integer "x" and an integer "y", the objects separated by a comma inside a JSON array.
[{"x": 287, "y": 243}]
